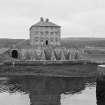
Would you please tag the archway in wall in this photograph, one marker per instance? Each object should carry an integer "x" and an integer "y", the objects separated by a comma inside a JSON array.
[
  {"x": 14, "y": 54},
  {"x": 46, "y": 42}
]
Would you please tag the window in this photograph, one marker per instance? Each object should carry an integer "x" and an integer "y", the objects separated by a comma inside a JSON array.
[
  {"x": 56, "y": 32},
  {"x": 56, "y": 39},
  {"x": 41, "y": 33},
  {"x": 52, "y": 39},
  {"x": 41, "y": 40},
  {"x": 46, "y": 32},
  {"x": 36, "y": 38},
  {"x": 52, "y": 33},
  {"x": 36, "y": 32},
  {"x": 52, "y": 28}
]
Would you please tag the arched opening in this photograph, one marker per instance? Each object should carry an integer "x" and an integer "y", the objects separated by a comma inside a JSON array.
[
  {"x": 15, "y": 54},
  {"x": 46, "y": 42}
]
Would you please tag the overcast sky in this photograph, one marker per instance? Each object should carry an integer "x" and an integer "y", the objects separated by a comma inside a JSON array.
[{"x": 84, "y": 18}]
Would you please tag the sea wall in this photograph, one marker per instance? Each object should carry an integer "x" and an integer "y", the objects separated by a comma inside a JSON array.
[
  {"x": 50, "y": 54},
  {"x": 53, "y": 54}
]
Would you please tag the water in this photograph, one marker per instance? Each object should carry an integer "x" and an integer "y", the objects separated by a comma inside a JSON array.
[{"x": 47, "y": 91}]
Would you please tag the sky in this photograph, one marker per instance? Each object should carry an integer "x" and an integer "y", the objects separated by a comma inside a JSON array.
[{"x": 78, "y": 18}]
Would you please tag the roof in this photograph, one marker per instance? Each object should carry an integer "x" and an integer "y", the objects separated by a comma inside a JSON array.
[{"x": 46, "y": 23}]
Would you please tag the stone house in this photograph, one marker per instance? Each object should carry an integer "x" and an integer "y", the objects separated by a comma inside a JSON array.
[{"x": 45, "y": 33}]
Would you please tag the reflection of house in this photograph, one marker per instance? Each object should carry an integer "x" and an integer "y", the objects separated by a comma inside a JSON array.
[{"x": 45, "y": 33}]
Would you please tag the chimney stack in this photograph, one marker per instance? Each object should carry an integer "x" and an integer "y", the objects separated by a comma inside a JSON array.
[
  {"x": 47, "y": 20},
  {"x": 41, "y": 19}
]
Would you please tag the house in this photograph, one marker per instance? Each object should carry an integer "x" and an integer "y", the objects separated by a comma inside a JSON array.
[{"x": 45, "y": 33}]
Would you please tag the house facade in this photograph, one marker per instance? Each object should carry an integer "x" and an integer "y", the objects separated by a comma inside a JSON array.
[{"x": 45, "y": 33}]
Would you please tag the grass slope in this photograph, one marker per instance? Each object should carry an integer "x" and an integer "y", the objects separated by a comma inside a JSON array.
[{"x": 67, "y": 42}]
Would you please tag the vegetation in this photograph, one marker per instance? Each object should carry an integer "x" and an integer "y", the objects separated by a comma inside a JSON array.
[
  {"x": 83, "y": 42},
  {"x": 9, "y": 42},
  {"x": 68, "y": 42}
]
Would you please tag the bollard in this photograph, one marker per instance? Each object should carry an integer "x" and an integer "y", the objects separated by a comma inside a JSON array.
[{"x": 100, "y": 85}]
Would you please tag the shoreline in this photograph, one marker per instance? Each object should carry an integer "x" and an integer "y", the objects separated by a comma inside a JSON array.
[{"x": 62, "y": 70}]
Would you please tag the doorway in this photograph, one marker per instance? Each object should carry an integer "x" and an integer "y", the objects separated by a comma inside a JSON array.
[
  {"x": 46, "y": 42},
  {"x": 15, "y": 54}
]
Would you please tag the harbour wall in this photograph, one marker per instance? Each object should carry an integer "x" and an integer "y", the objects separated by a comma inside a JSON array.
[{"x": 47, "y": 54}]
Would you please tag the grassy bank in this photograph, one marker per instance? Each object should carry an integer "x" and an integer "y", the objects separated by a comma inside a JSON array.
[{"x": 77, "y": 70}]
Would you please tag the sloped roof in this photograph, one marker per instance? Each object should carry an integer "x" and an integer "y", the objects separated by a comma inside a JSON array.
[{"x": 45, "y": 24}]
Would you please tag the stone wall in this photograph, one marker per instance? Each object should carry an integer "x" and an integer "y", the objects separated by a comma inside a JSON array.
[{"x": 50, "y": 54}]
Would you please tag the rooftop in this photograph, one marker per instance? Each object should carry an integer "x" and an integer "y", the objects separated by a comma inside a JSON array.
[{"x": 45, "y": 23}]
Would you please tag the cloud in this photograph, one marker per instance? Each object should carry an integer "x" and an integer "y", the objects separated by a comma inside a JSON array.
[
  {"x": 77, "y": 17},
  {"x": 91, "y": 23}
]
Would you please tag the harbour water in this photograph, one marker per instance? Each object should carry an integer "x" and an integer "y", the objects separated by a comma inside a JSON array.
[{"x": 47, "y": 91}]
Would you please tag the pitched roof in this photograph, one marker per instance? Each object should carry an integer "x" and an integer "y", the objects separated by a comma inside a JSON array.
[{"x": 46, "y": 23}]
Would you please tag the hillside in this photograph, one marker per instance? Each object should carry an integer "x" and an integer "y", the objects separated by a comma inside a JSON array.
[
  {"x": 82, "y": 42},
  {"x": 68, "y": 42},
  {"x": 9, "y": 42}
]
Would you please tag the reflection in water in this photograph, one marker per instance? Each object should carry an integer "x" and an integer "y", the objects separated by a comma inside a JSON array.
[
  {"x": 85, "y": 97},
  {"x": 47, "y": 90}
]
